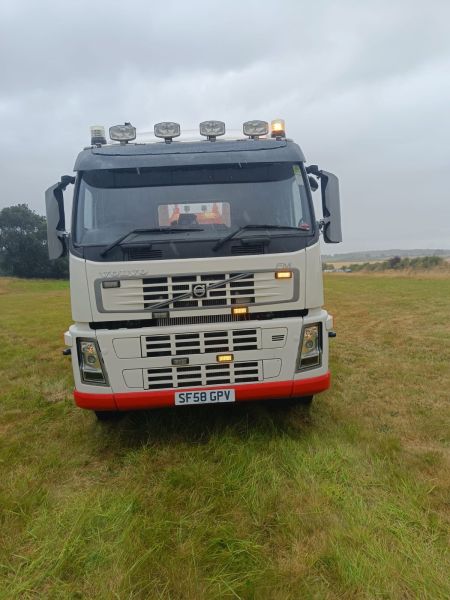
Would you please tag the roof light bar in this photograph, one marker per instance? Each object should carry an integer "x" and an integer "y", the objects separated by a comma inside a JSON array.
[
  {"x": 97, "y": 135},
  {"x": 212, "y": 129},
  {"x": 255, "y": 128},
  {"x": 122, "y": 133},
  {"x": 167, "y": 130},
  {"x": 278, "y": 128}
]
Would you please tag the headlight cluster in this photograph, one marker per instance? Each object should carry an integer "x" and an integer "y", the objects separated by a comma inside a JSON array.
[
  {"x": 90, "y": 362},
  {"x": 310, "y": 349}
]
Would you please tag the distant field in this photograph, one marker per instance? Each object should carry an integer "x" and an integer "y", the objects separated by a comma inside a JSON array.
[
  {"x": 253, "y": 502},
  {"x": 338, "y": 264}
]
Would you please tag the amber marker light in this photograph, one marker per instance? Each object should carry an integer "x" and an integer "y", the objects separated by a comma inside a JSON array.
[
  {"x": 278, "y": 128},
  {"x": 283, "y": 274},
  {"x": 224, "y": 358},
  {"x": 239, "y": 310}
]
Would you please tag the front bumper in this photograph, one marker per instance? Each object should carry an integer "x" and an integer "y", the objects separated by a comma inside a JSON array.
[
  {"x": 244, "y": 393},
  {"x": 141, "y": 375}
]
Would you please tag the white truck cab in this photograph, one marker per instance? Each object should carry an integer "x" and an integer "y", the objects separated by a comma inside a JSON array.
[{"x": 195, "y": 270}]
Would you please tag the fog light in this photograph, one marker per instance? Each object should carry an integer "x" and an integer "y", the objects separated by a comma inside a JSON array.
[
  {"x": 167, "y": 130},
  {"x": 255, "y": 128},
  {"x": 283, "y": 274},
  {"x": 90, "y": 361},
  {"x": 239, "y": 310},
  {"x": 122, "y": 133},
  {"x": 106, "y": 285},
  {"x": 224, "y": 358},
  {"x": 310, "y": 349},
  {"x": 212, "y": 129}
]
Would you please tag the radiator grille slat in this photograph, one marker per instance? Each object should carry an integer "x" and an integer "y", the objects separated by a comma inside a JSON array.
[
  {"x": 187, "y": 344},
  {"x": 194, "y": 292},
  {"x": 203, "y": 375},
  {"x": 222, "y": 292}
]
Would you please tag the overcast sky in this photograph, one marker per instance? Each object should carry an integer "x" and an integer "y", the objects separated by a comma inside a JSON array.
[{"x": 364, "y": 88}]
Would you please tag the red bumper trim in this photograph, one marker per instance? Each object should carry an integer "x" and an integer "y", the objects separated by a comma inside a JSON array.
[{"x": 244, "y": 393}]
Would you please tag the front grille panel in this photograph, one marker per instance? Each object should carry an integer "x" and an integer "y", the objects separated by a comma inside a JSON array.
[
  {"x": 224, "y": 293},
  {"x": 186, "y": 344},
  {"x": 212, "y": 290},
  {"x": 203, "y": 375}
]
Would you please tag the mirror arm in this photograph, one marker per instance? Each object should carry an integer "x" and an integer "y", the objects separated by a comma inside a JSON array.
[
  {"x": 314, "y": 170},
  {"x": 58, "y": 193},
  {"x": 65, "y": 181},
  {"x": 322, "y": 223}
]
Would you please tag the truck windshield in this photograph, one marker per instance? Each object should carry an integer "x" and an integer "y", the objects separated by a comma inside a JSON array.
[{"x": 203, "y": 202}]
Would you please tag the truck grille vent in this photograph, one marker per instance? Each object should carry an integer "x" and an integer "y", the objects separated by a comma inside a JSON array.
[
  {"x": 247, "y": 249},
  {"x": 201, "y": 375},
  {"x": 224, "y": 292},
  {"x": 199, "y": 320},
  {"x": 194, "y": 292},
  {"x": 203, "y": 342},
  {"x": 279, "y": 337},
  {"x": 144, "y": 253}
]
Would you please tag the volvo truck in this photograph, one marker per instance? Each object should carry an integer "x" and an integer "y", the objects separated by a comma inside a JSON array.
[{"x": 195, "y": 268}]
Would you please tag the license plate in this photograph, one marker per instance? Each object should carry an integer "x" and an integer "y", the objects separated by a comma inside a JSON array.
[{"x": 204, "y": 397}]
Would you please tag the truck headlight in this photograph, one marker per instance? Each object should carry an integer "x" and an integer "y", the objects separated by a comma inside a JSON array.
[
  {"x": 91, "y": 364},
  {"x": 310, "y": 349}
]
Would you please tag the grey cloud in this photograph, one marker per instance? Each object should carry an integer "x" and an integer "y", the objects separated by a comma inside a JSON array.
[{"x": 364, "y": 89}]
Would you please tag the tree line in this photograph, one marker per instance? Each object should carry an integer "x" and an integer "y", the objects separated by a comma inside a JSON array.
[
  {"x": 399, "y": 264},
  {"x": 23, "y": 245},
  {"x": 395, "y": 263}
]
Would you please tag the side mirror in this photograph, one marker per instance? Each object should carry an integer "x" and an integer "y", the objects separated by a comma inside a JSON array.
[
  {"x": 331, "y": 208},
  {"x": 56, "y": 223}
]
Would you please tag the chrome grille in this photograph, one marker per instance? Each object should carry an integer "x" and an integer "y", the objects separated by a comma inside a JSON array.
[
  {"x": 201, "y": 375},
  {"x": 219, "y": 292},
  {"x": 201, "y": 342},
  {"x": 215, "y": 291}
]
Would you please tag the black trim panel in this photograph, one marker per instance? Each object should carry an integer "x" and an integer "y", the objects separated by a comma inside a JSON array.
[
  {"x": 182, "y": 250},
  {"x": 142, "y": 323}
]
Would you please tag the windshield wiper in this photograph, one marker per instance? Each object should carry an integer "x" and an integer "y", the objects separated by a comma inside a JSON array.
[
  {"x": 231, "y": 235},
  {"x": 153, "y": 230}
]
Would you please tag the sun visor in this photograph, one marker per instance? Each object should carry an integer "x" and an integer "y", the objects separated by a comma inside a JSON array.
[{"x": 118, "y": 156}]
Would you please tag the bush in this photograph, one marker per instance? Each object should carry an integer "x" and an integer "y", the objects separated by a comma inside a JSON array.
[{"x": 23, "y": 245}]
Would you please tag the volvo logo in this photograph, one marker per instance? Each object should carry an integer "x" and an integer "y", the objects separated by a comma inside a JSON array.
[{"x": 199, "y": 290}]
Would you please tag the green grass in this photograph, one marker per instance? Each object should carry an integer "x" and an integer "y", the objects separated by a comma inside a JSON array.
[{"x": 258, "y": 501}]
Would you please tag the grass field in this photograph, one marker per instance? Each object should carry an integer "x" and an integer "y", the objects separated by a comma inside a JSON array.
[{"x": 254, "y": 501}]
